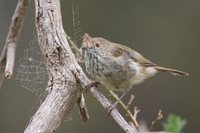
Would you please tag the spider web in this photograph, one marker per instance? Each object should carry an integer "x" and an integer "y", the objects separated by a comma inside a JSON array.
[
  {"x": 32, "y": 72},
  {"x": 76, "y": 25},
  {"x": 33, "y": 75}
]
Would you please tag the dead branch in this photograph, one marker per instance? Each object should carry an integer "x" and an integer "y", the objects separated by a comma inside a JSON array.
[
  {"x": 158, "y": 118},
  {"x": 7, "y": 58}
]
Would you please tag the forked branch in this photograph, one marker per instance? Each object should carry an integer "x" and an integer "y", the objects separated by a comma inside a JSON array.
[{"x": 63, "y": 70}]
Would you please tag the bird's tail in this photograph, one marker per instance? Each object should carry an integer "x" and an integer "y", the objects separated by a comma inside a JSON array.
[{"x": 172, "y": 71}]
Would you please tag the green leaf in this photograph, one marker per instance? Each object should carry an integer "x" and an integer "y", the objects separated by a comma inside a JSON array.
[{"x": 174, "y": 124}]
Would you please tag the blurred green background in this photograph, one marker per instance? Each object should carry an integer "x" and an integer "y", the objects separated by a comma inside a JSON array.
[{"x": 165, "y": 31}]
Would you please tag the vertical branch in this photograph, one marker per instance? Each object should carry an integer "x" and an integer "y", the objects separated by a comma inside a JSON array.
[{"x": 7, "y": 58}]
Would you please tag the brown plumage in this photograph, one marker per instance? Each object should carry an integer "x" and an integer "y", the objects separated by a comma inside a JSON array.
[
  {"x": 116, "y": 66},
  {"x": 172, "y": 71}
]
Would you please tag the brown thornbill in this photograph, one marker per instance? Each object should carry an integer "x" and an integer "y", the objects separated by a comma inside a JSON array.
[{"x": 116, "y": 66}]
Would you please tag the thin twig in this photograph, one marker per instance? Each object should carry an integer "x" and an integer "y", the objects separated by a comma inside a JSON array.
[
  {"x": 130, "y": 101},
  {"x": 158, "y": 118},
  {"x": 13, "y": 37},
  {"x": 132, "y": 117},
  {"x": 76, "y": 50},
  {"x": 2, "y": 65}
]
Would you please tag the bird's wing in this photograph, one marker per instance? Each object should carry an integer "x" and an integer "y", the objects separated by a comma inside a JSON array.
[
  {"x": 120, "y": 50},
  {"x": 140, "y": 59}
]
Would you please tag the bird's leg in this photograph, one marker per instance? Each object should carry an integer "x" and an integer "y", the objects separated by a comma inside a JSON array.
[
  {"x": 114, "y": 105},
  {"x": 92, "y": 84}
]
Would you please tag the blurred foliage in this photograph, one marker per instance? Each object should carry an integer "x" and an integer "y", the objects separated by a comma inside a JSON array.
[{"x": 174, "y": 124}]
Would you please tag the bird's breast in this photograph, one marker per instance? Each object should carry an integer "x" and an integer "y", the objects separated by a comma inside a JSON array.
[{"x": 117, "y": 74}]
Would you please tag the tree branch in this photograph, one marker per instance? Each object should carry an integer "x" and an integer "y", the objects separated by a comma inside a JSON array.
[{"x": 7, "y": 58}]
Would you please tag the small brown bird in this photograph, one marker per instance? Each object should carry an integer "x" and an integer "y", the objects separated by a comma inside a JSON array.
[{"x": 118, "y": 67}]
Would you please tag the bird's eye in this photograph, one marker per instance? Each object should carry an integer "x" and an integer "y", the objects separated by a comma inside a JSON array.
[{"x": 97, "y": 44}]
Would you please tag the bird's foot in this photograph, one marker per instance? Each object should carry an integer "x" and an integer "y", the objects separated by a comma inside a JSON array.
[
  {"x": 92, "y": 84},
  {"x": 114, "y": 105}
]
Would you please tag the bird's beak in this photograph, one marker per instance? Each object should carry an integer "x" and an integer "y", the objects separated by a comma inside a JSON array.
[
  {"x": 86, "y": 36},
  {"x": 86, "y": 40}
]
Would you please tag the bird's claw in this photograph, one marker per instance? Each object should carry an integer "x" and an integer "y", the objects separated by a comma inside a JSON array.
[{"x": 92, "y": 84}]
